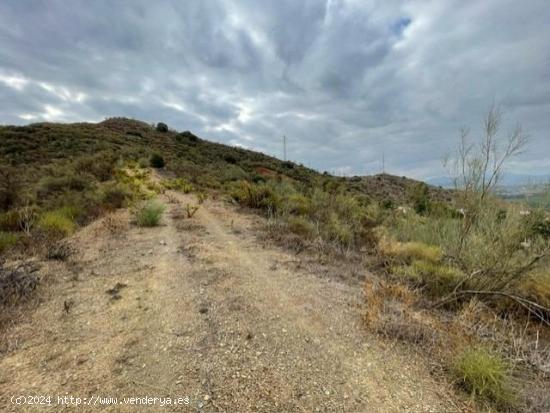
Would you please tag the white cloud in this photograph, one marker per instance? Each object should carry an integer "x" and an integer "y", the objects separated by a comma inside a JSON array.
[{"x": 345, "y": 80}]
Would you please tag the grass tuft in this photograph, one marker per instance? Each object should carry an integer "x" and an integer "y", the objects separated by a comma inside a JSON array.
[
  {"x": 485, "y": 375},
  {"x": 59, "y": 222},
  {"x": 149, "y": 214}
]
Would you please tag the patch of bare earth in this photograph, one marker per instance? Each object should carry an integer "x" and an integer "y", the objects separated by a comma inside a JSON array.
[{"x": 198, "y": 307}]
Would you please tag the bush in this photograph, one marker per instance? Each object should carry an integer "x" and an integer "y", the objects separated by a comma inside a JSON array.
[
  {"x": 17, "y": 284},
  {"x": 114, "y": 196},
  {"x": 259, "y": 196},
  {"x": 71, "y": 181},
  {"x": 298, "y": 204},
  {"x": 7, "y": 240},
  {"x": 101, "y": 166},
  {"x": 336, "y": 230},
  {"x": 58, "y": 223},
  {"x": 59, "y": 251},
  {"x": 156, "y": 161},
  {"x": 439, "y": 279},
  {"x": 420, "y": 198},
  {"x": 542, "y": 227},
  {"x": 10, "y": 187},
  {"x": 10, "y": 220},
  {"x": 536, "y": 287},
  {"x": 484, "y": 375},
  {"x": 178, "y": 184},
  {"x": 230, "y": 159},
  {"x": 162, "y": 127},
  {"x": 407, "y": 252},
  {"x": 149, "y": 214},
  {"x": 301, "y": 226}
]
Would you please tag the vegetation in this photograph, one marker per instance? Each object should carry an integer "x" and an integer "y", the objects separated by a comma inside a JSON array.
[
  {"x": 157, "y": 161},
  {"x": 485, "y": 375},
  {"x": 149, "y": 214},
  {"x": 58, "y": 223},
  {"x": 7, "y": 240}
]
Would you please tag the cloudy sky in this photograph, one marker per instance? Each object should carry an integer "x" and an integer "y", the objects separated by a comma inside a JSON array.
[{"x": 346, "y": 81}]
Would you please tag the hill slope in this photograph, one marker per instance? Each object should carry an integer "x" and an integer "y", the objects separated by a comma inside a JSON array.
[{"x": 45, "y": 149}]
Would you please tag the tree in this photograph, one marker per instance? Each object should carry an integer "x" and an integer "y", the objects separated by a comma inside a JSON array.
[
  {"x": 494, "y": 244},
  {"x": 477, "y": 168}
]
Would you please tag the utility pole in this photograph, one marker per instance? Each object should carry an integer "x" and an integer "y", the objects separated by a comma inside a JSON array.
[
  {"x": 383, "y": 163},
  {"x": 284, "y": 147}
]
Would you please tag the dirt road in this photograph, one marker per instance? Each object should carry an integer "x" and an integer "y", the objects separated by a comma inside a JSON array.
[{"x": 200, "y": 308}]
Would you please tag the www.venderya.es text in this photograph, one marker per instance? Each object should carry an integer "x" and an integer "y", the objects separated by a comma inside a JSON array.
[{"x": 48, "y": 400}]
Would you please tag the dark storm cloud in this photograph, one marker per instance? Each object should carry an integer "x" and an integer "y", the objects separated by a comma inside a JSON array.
[{"x": 346, "y": 81}]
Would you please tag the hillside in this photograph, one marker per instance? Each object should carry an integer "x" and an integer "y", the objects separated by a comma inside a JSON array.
[{"x": 39, "y": 150}]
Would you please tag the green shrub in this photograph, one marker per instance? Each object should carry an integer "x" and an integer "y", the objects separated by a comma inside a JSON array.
[
  {"x": 439, "y": 279},
  {"x": 260, "y": 196},
  {"x": 301, "y": 226},
  {"x": 178, "y": 184},
  {"x": 485, "y": 375},
  {"x": 149, "y": 214},
  {"x": 420, "y": 198},
  {"x": 7, "y": 239},
  {"x": 58, "y": 223},
  {"x": 298, "y": 204},
  {"x": 338, "y": 231},
  {"x": 156, "y": 161},
  {"x": 101, "y": 166}
]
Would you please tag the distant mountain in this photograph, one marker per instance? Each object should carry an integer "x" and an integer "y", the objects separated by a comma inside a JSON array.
[{"x": 508, "y": 179}]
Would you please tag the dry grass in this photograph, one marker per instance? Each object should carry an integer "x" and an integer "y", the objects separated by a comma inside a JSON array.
[
  {"x": 17, "y": 283},
  {"x": 390, "y": 311},
  {"x": 406, "y": 252},
  {"x": 397, "y": 312}
]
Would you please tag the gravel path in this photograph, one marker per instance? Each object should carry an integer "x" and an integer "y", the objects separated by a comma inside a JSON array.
[{"x": 199, "y": 308}]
